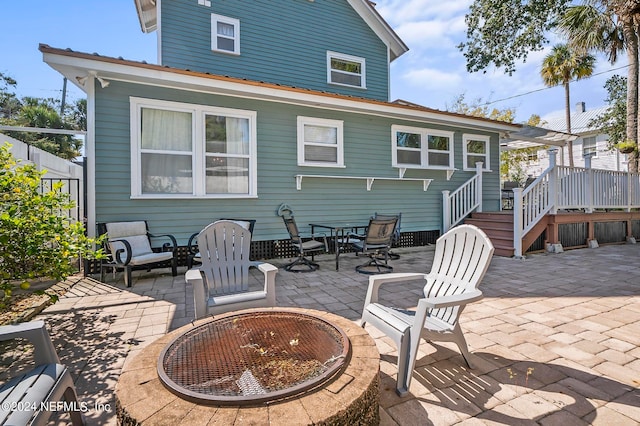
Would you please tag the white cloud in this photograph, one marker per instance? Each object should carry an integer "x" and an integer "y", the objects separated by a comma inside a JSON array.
[
  {"x": 430, "y": 78},
  {"x": 399, "y": 11}
]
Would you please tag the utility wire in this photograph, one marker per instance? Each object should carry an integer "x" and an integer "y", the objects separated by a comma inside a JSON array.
[{"x": 550, "y": 87}]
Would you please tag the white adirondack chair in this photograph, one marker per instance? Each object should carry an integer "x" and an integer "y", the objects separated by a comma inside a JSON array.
[
  {"x": 221, "y": 284},
  {"x": 49, "y": 382},
  {"x": 461, "y": 259}
]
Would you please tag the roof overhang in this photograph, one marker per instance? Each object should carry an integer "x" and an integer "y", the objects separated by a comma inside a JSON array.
[
  {"x": 148, "y": 17},
  {"x": 531, "y": 136},
  {"x": 79, "y": 67},
  {"x": 368, "y": 12}
]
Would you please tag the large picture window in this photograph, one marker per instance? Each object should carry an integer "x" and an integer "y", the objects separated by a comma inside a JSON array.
[
  {"x": 320, "y": 142},
  {"x": 346, "y": 70},
  {"x": 183, "y": 150},
  {"x": 415, "y": 147},
  {"x": 475, "y": 148},
  {"x": 225, "y": 34}
]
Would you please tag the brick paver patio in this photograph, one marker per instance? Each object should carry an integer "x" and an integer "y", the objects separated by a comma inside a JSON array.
[{"x": 555, "y": 340}]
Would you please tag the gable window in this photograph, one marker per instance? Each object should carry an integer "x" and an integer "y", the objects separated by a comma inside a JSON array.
[
  {"x": 475, "y": 148},
  {"x": 414, "y": 147},
  {"x": 589, "y": 145},
  {"x": 225, "y": 34},
  {"x": 320, "y": 142},
  {"x": 346, "y": 70},
  {"x": 182, "y": 151}
]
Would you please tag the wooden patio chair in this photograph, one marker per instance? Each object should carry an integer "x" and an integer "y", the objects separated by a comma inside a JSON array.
[
  {"x": 221, "y": 283},
  {"x": 461, "y": 260},
  {"x": 128, "y": 247}
]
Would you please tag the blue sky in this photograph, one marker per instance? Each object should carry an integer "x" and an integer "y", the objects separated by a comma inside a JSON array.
[{"x": 432, "y": 73}]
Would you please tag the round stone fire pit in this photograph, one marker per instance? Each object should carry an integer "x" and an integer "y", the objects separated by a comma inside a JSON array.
[
  {"x": 254, "y": 357},
  {"x": 343, "y": 390}
]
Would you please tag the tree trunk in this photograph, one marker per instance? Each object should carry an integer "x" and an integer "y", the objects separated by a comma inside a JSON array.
[
  {"x": 567, "y": 111},
  {"x": 633, "y": 132}
]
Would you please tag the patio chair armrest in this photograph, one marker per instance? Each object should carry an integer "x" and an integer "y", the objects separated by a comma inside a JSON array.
[
  {"x": 35, "y": 331},
  {"x": 324, "y": 239},
  {"x": 375, "y": 281},
  {"x": 453, "y": 300},
  {"x": 174, "y": 243},
  {"x": 192, "y": 245},
  {"x": 117, "y": 256},
  {"x": 200, "y": 291},
  {"x": 269, "y": 272}
]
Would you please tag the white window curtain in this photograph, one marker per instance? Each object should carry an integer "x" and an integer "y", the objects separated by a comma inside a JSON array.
[
  {"x": 166, "y": 140},
  {"x": 228, "y": 171}
]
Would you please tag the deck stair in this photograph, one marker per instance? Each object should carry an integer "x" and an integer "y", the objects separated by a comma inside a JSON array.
[{"x": 499, "y": 228}]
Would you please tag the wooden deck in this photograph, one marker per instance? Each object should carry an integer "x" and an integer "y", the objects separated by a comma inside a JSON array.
[{"x": 571, "y": 229}]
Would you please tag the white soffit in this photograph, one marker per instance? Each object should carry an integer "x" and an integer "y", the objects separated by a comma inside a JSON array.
[{"x": 531, "y": 136}]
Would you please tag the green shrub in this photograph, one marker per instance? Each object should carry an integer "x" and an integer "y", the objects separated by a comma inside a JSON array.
[{"x": 37, "y": 238}]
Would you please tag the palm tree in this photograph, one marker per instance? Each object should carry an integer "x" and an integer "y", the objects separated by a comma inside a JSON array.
[
  {"x": 561, "y": 66},
  {"x": 609, "y": 27}
]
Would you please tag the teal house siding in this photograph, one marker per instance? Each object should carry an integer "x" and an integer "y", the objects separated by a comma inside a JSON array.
[
  {"x": 367, "y": 152},
  {"x": 281, "y": 42},
  {"x": 279, "y": 75}
]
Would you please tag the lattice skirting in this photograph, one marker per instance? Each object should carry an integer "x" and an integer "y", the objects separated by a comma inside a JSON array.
[{"x": 275, "y": 249}]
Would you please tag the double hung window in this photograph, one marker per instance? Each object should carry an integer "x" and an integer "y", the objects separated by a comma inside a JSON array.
[
  {"x": 475, "y": 149},
  {"x": 589, "y": 145},
  {"x": 320, "y": 142},
  {"x": 182, "y": 150},
  {"x": 415, "y": 147},
  {"x": 225, "y": 34},
  {"x": 346, "y": 70}
]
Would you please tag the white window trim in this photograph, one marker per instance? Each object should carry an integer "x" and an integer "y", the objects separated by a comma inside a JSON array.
[
  {"x": 344, "y": 57},
  {"x": 214, "y": 33},
  {"x": 485, "y": 164},
  {"x": 198, "y": 159},
  {"x": 313, "y": 121},
  {"x": 595, "y": 146},
  {"x": 424, "y": 148}
]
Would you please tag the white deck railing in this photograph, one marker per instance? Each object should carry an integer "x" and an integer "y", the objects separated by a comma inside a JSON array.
[
  {"x": 460, "y": 203},
  {"x": 562, "y": 187}
]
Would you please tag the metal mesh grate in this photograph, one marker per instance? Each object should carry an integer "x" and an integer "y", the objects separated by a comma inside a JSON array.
[{"x": 253, "y": 357}]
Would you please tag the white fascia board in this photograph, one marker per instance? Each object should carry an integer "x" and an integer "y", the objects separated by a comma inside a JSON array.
[
  {"x": 380, "y": 27},
  {"x": 71, "y": 67}
]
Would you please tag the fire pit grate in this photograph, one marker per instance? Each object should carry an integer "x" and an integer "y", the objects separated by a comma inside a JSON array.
[{"x": 253, "y": 357}]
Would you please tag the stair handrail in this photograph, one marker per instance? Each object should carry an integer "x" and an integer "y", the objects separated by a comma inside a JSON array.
[
  {"x": 532, "y": 203},
  {"x": 460, "y": 203}
]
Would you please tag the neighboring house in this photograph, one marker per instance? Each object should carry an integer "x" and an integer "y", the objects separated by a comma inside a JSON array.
[
  {"x": 590, "y": 141},
  {"x": 260, "y": 103}
]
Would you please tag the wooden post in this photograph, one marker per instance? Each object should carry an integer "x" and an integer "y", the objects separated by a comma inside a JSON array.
[
  {"x": 518, "y": 211},
  {"x": 553, "y": 181},
  {"x": 446, "y": 211},
  {"x": 479, "y": 185},
  {"x": 589, "y": 189}
]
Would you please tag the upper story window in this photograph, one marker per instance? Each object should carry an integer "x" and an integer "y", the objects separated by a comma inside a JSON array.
[
  {"x": 589, "y": 145},
  {"x": 225, "y": 34},
  {"x": 346, "y": 70},
  {"x": 475, "y": 148},
  {"x": 182, "y": 151},
  {"x": 414, "y": 147},
  {"x": 320, "y": 142}
]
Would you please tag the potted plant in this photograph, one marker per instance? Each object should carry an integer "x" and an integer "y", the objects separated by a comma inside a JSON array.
[{"x": 627, "y": 146}]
